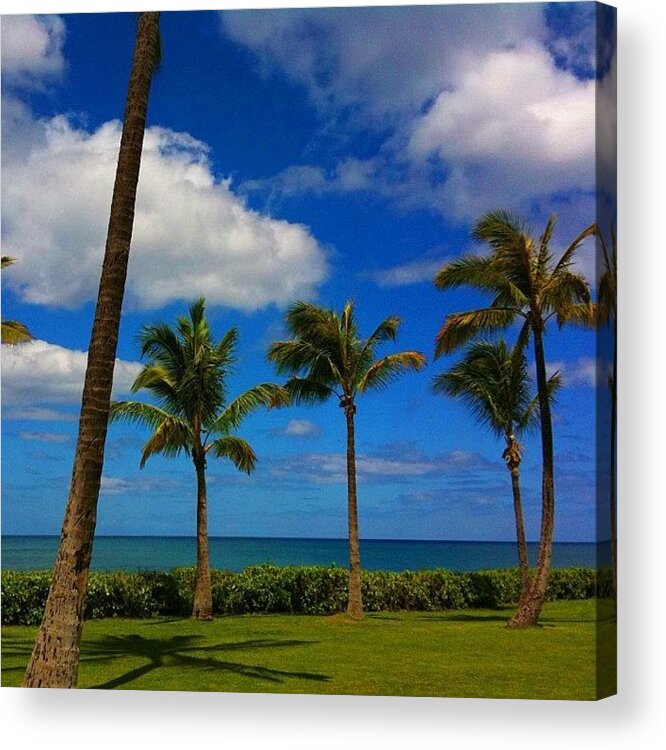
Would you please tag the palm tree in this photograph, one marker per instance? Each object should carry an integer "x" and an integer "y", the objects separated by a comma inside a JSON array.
[
  {"x": 526, "y": 284},
  {"x": 607, "y": 316},
  {"x": 13, "y": 332},
  {"x": 493, "y": 381},
  {"x": 326, "y": 357},
  {"x": 55, "y": 657},
  {"x": 186, "y": 373}
]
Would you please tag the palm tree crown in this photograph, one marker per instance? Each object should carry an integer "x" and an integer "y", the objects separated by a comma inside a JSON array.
[
  {"x": 521, "y": 276},
  {"x": 493, "y": 381},
  {"x": 186, "y": 373},
  {"x": 326, "y": 355}
]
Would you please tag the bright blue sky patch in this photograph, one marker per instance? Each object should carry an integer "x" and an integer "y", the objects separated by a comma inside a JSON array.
[{"x": 320, "y": 154}]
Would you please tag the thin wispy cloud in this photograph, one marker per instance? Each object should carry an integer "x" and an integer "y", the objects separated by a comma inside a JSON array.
[
  {"x": 45, "y": 437},
  {"x": 299, "y": 428},
  {"x": 416, "y": 272}
]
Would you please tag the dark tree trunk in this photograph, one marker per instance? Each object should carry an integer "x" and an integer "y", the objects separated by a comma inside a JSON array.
[
  {"x": 203, "y": 594},
  {"x": 523, "y": 559},
  {"x": 55, "y": 658},
  {"x": 530, "y": 607},
  {"x": 355, "y": 604},
  {"x": 613, "y": 510}
]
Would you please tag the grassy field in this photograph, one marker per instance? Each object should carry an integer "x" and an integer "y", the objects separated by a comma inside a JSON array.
[{"x": 457, "y": 653}]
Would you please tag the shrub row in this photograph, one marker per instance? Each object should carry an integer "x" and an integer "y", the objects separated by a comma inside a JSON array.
[{"x": 299, "y": 590}]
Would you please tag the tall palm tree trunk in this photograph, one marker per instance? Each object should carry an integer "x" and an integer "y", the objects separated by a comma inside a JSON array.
[
  {"x": 613, "y": 517},
  {"x": 529, "y": 609},
  {"x": 203, "y": 595},
  {"x": 55, "y": 657},
  {"x": 523, "y": 559},
  {"x": 355, "y": 603}
]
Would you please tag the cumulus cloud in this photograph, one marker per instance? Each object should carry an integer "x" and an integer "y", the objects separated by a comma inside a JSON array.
[
  {"x": 514, "y": 127},
  {"x": 42, "y": 373},
  {"x": 480, "y": 106},
  {"x": 192, "y": 236},
  {"x": 32, "y": 49},
  {"x": 377, "y": 62}
]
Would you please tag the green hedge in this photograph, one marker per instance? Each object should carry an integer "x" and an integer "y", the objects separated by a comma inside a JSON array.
[{"x": 299, "y": 590}]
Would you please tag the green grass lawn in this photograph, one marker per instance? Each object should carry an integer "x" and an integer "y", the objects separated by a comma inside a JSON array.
[{"x": 458, "y": 653}]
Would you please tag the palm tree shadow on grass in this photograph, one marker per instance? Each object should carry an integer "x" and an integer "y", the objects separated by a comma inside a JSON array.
[
  {"x": 178, "y": 651},
  {"x": 463, "y": 617},
  {"x": 183, "y": 651}
]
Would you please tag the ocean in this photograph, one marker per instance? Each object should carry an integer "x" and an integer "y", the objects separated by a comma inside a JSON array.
[{"x": 236, "y": 553}]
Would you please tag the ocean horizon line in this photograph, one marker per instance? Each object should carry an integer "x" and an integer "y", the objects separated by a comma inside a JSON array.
[{"x": 307, "y": 538}]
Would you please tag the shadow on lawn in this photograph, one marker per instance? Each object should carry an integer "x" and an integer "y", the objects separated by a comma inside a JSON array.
[
  {"x": 499, "y": 616},
  {"x": 178, "y": 651},
  {"x": 184, "y": 651}
]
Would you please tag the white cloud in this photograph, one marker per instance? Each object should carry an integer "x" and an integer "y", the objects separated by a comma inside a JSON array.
[
  {"x": 43, "y": 373},
  {"x": 32, "y": 49},
  {"x": 44, "y": 437},
  {"x": 379, "y": 62},
  {"x": 300, "y": 428},
  {"x": 513, "y": 127},
  {"x": 477, "y": 112},
  {"x": 408, "y": 273},
  {"x": 192, "y": 236}
]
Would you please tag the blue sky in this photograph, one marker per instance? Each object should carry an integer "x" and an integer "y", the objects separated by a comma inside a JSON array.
[{"x": 324, "y": 154}]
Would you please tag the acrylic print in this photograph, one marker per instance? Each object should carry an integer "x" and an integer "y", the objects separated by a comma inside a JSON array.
[{"x": 308, "y": 351}]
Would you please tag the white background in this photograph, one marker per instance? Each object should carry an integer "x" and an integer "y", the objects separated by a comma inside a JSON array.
[{"x": 98, "y": 720}]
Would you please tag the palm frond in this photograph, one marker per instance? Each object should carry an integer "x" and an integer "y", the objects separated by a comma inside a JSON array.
[
  {"x": 14, "y": 332},
  {"x": 607, "y": 290},
  {"x": 265, "y": 395},
  {"x": 226, "y": 349},
  {"x": 499, "y": 229},
  {"x": 564, "y": 290},
  {"x": 7, "y": 261},
  {"x": 479, "y": 273},
  {"x": 135, "y": 412},
  {"x": 306, "y": 391},
  {"x": 237, "y": 450},
  {"x": 567, "y": 256},
  {"x": 388, "y": 368},
  {"x": 529, "y": 419},
  {"x": 160, "y": 342},
  {"x": 544, "y": 256},
  {"x": 580, "y": 315},
  {"x": 301, "y": 356},
  {"x": 387, "y": 330},
  {"x": 169, "y": 439},
  {"x": 459, "y": 328}
]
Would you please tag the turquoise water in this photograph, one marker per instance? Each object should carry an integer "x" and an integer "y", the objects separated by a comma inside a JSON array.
[{"x": 236, "y": 553}]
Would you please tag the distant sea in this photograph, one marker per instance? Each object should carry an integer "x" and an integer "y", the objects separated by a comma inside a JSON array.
[{"x": 236, "y": 553}]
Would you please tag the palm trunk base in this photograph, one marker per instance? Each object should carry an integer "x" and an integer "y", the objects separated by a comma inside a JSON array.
[
  {"x": 529, "y": 608},
  {"x": 355, "y": 601},
  {"x": 52, "y": 666},
  {"x": 202, "y": 608}
]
